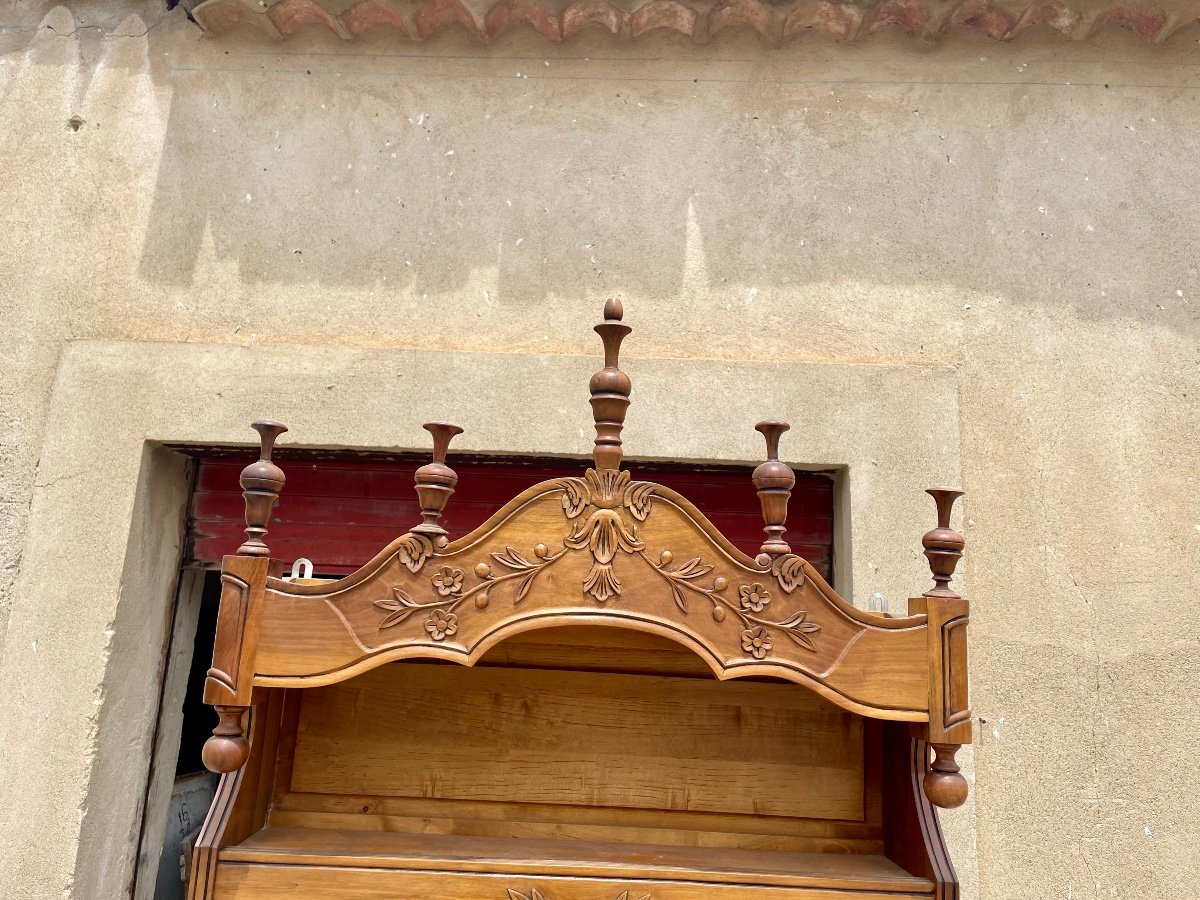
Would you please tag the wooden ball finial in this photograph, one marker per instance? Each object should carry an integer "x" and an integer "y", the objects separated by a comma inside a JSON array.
[
  {"x": 261, "y": 483},
  {"x": 435, "y": 480},
  {"x": 944, "y": 784},
  {"x": 774, "y": 481},
  {"x": 610, "y": 388},
  {"x": 227, "y": 750},
  {"x": 943, "y": 546}
]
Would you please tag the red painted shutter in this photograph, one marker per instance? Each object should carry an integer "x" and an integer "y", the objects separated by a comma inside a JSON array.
[{"x": 341, "y": 513}]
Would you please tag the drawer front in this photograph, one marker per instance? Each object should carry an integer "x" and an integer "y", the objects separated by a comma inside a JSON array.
[{"x": 248, "y": 881}]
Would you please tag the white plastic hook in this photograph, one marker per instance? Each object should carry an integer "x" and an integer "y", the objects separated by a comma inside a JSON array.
[{"x": 302, "y": 568}]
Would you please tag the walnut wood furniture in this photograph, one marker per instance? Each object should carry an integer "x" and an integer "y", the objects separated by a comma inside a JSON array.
[{"x": 579, "y": 747}]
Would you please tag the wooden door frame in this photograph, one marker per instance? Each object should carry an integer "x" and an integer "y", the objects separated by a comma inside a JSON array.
[{"x": 160, "y": 780}]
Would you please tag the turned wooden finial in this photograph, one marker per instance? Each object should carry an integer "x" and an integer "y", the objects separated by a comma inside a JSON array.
[
  {"x": 610, "y": 389},
  {"x": 261, "y": 483},
  {"x": 227, "y": 749},
  {"x": 436, "y": 480},
  {"x": 774, "y": 480},
  {"x": 944, "y": 784},
  {"x": 943, "y": 546}
]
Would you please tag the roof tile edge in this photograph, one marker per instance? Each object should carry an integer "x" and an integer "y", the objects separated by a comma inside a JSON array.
[{"x": 702, "y": 20}]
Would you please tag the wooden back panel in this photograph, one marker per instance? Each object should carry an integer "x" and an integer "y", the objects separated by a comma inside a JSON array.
[{"x": 618, "y": 741}]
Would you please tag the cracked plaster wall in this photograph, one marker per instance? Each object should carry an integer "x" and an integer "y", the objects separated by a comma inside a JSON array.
[{"x": 1023, "y": 214}]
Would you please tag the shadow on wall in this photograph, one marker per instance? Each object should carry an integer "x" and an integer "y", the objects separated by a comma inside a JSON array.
[{"x": 662, "y": 168}]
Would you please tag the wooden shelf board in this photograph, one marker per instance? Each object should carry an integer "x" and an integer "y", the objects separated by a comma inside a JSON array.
[{"x": 392, "y": 850}]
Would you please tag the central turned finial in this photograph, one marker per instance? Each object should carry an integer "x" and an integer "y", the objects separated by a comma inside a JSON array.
[{"x": 610, "y": 389}]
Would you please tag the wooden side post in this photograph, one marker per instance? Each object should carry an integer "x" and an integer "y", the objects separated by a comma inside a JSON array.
[
  {"x": 228, "y": 685},
  {"x": 948, "y": 612}
]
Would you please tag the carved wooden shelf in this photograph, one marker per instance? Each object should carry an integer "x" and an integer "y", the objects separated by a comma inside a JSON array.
[{"x": 579, "y": 749}]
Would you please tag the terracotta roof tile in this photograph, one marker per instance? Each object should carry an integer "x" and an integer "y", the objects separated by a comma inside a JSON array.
[{"x": 774, "y": 20}]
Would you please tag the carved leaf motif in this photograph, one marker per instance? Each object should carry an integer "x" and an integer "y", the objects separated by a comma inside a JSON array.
[
  {"x": 799, "y": 619},
  {"x": 526, "y": 584},
  {"x": 677, "y": 596},
  {"x": 575, "y": 496},
  {"x": 688, "y": 572},
  {"x": 513, "y": 560},
  {"x": 798, "y": 628},
  {"x": 789, "y": 570},
  {"x": 414, "y": 549},
  {"x": 606, "y": 531},
  {"x": 693, "y": 568},
  {"x": 398, "y": 609},
  {"x": 602, "y": 583},
  {"x": 639, "y": 498},
  {"x": 607, "y": 486}
]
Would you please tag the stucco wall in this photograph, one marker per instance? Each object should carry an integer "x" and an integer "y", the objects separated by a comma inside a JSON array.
[{"x": 1023, "y": 213}]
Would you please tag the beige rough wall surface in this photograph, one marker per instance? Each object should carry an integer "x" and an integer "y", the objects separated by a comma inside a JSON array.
[{"x": 1024, "y": 213}]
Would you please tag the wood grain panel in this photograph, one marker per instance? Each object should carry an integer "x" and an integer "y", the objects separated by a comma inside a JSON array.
[
  {"x": 266, "y": 882},
  {"x": 415, "y": 853},
  {"x": 611, "y": 826},
  {"x": 585, "y": 648},
  {"x": 582, "y": 738},
  {"x": 540, "y": 820}
]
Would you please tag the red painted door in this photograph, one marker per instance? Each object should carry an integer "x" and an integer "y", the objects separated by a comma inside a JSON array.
[{"x": 340, "y": 513}]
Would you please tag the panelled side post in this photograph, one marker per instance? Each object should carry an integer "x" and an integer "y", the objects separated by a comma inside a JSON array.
[
  {"x": 228, "y": 685},
  {"x": 948, "y": 614}
]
